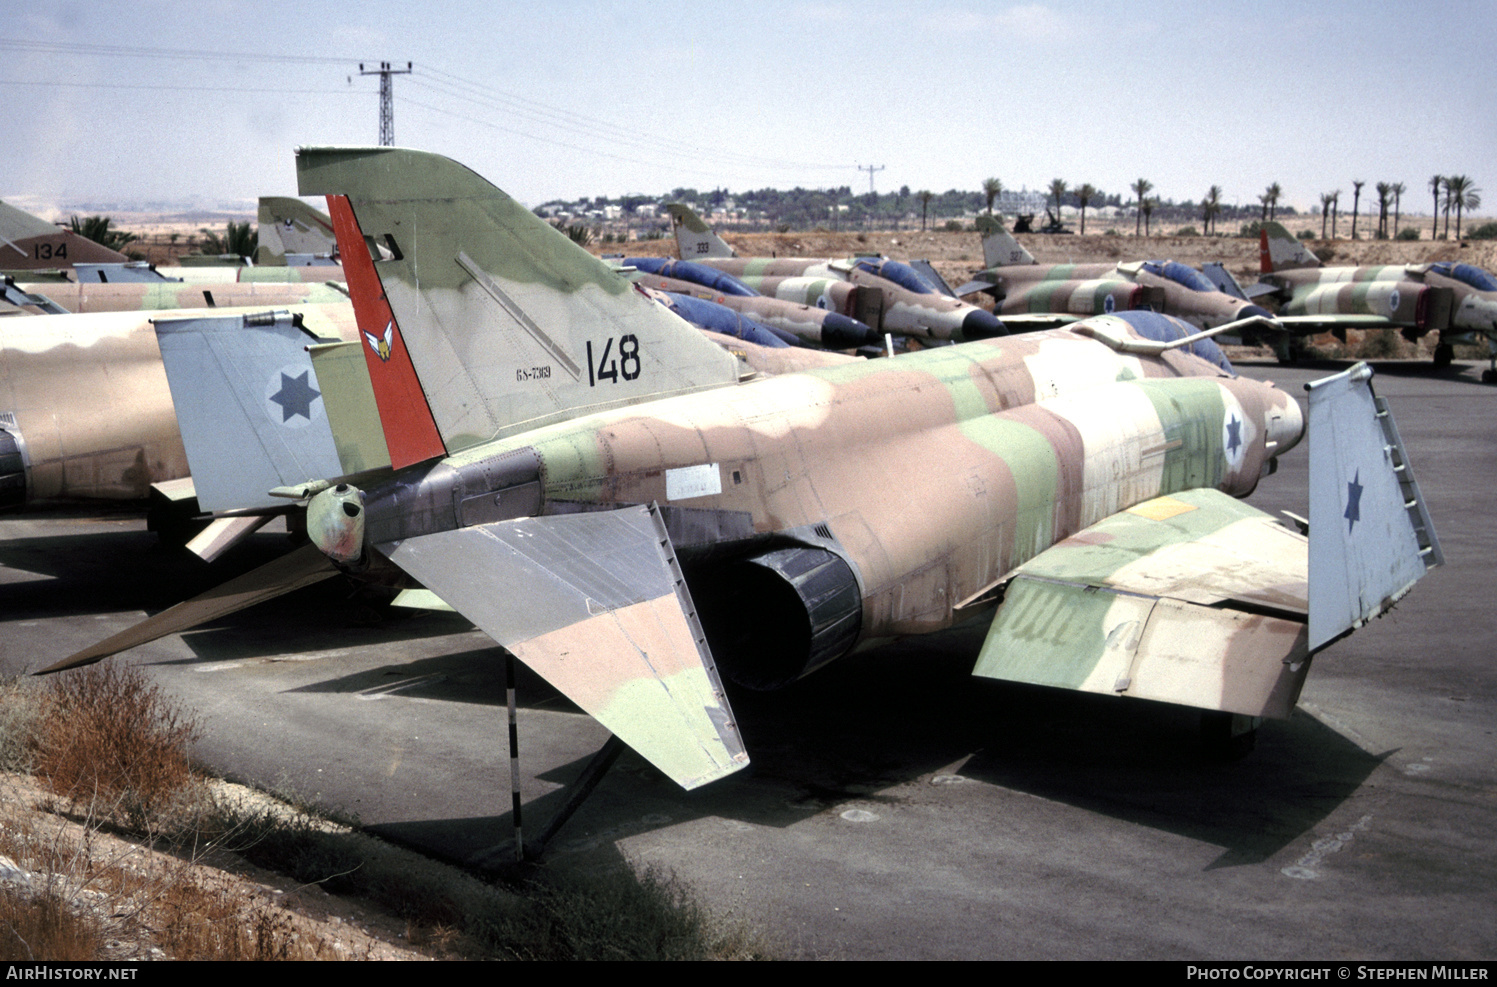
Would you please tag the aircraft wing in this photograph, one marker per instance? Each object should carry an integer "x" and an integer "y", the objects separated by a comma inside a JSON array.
[
  {"x": 596, "y": 605},
  {"x": 1198, "y": 599},
  {"x": 1194, "y": 598}
]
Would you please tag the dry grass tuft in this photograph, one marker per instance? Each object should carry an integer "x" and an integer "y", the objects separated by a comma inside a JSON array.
[{"x": 110, "y": 738}]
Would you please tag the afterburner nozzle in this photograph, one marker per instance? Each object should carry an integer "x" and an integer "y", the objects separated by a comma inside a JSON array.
[{"x": 335, "y": 523}]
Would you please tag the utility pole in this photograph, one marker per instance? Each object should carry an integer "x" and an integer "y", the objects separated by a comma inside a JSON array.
[
  {"x": 386, "y": 99},
  {"x": 870, "y": 169}
]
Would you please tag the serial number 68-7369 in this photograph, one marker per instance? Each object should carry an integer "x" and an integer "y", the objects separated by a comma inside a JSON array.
[{"x": 532, "y": 373}]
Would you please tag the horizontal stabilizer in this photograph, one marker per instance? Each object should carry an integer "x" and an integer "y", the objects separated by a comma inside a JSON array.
[
  {"x": 1195, "y": 599},
  {"x": 1371, "y": 537},
  {"x": 248, "y": 404},
  {"x": 597, "y": 606},
  {"x": 302, "y": 567}
]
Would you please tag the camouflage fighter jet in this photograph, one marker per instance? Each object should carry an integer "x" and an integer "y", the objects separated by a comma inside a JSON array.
[
  {"x": 1459, "y": 301},
  {"x": 891, "y": 296},
  {"x": 30, "y": 243},
  {"x": 587, "y": 479},
  {"x": 293, "y": 234},
  {"x": 1026, "y": 290}
]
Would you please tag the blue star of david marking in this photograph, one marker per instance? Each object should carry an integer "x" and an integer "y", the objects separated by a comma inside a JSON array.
[
  {"x": 1234, "y": 435},
  {"x": 295, "y": 396},
  {"x": 1353, "y": 502}
]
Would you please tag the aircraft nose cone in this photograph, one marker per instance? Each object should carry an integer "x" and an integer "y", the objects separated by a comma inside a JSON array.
[
  {"x": 1248, "y": 311},
  {"x": 982, "y": 324},
  {"x": 839, "y": 332}
]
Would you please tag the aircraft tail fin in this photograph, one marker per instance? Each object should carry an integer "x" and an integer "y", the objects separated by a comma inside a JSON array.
[
  {"x": 694, "y": 238},
  {"x": 30, "y": 243},
  {"x": 248, "y": 404},
  {"x": 999, "y": 248},
  {"x": 291, "y": 228},
  {"x": 1371, "y": 537},
  {"x": 1278, "y": 250},
  {"x": 505, "y": 324}
]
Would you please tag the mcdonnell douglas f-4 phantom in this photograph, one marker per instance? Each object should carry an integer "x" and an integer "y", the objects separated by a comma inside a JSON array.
[
  {"x": 889, "y": 295},
  {"x": 1459, "y": 301},
  {"x": 586, "y": 478},
  {"x": 1034, "y": 293}
]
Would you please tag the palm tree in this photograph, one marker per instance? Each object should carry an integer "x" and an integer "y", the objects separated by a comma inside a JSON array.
[
  {"x": 97, "y": 229},
  {"x": 1057, "y": 188},
  {"x": 1085, "y": 194},
  {"x": 1449, "y": 201},
  {"x": 1435, "y": 184},
  {"x": 1141, "y": 188},
  {"x": 1211, "y": 206},
  {"x": 1398, "y": 189},
  {"x": 1335, "y": 211},
  {"x": 1356, "y": 197},
  {"x": 1274, "y": 193},
  {"x": 1325, "y": 211},
  {"x": 240, "y": 239},
  {"x": 991, "y": 188},
  {"x": 1147, "y": 207},
  {"x": 1463, "y": 193},
  {"x": 1384, "y": 190}
]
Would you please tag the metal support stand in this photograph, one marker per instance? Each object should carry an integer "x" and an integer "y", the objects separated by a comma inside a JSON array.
[
  {"x": 514, "y": 754},
  {"x": 581, "y": 789}
]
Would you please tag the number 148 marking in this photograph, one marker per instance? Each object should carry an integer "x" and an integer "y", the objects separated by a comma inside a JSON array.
[{"x": 626, "y": 365}]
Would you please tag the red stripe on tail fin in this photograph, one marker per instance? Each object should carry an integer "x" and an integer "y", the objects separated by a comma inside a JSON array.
[
  {"x": 410, "y": 431},
  {"x": 1265, "y": 258}
]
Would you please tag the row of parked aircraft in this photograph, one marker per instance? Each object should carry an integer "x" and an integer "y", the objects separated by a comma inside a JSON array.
[{"x": 640, "y": 508}]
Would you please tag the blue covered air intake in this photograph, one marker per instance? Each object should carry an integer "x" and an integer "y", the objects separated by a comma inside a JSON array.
[
  {"x": 1166, "y": 329},
  {"x": 685, "y": 270},
  {"x": 899, "y": 272},
  {"x": 712, "y": 316}
]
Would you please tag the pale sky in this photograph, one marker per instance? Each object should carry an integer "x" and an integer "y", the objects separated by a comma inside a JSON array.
[{"x": 570, "y": 99}]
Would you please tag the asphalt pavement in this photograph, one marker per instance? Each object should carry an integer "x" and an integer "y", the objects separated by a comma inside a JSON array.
[{"x": 896, "y": 807}]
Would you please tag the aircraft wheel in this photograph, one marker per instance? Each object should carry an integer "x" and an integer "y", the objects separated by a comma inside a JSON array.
[
  {"x": 1444, "y": 355},
  {"x": 1489, "y": 376},
  {"x": 1228, "y": 736}
]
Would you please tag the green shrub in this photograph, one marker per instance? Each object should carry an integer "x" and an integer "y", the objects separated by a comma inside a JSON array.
[
  {"x": 1187, "y": 231},
  {"x": 1407, "y": 233},
  {"x": 1306, "y": 234},
  {"x": 1486, "y": 231},
  {"x": 953, "y": 226}
]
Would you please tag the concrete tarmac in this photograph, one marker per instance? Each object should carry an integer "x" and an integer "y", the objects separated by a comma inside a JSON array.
[{"x": 896, "y": 808}]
